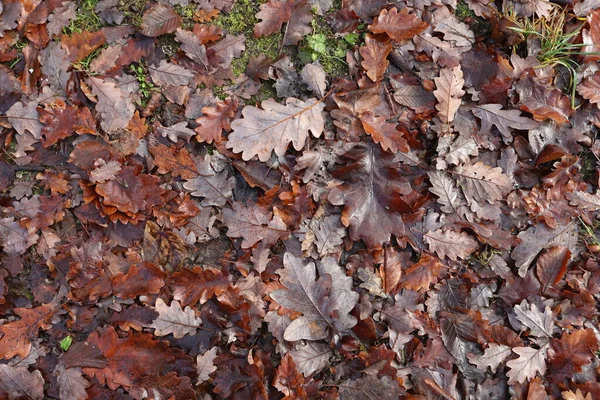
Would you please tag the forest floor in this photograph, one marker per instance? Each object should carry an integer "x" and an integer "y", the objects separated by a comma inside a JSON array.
[{"x": 299, "y": 199}]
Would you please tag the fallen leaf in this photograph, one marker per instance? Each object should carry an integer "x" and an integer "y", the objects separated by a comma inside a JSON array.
[
  {"x": 324, "y": 302},
  {"x": 449, "y": 93},
  {"x": 399, "y": 26},
  {"x": 174, "y": 320},
  {"x": 160, "y": 19},
  {"x": 274, "y": 126}
]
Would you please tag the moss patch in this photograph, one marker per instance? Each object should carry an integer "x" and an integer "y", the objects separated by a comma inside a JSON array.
[
  {"x": 86, "y": 19},
  {"x": 133, "y": 11}
]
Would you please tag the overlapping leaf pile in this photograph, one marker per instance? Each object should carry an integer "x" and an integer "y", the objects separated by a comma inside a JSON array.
[{"x": 423, "y": 227}]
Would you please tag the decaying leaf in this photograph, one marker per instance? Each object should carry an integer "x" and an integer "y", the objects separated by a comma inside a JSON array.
[
  {"x": 324, "y": 301},
  {"x": 449, "y": 93},
  {"x": 273, "y": 127},
  {"x": 174, "y": 320}
]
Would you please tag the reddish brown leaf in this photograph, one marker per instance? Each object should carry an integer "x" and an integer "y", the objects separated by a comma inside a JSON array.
[
  {"x": 79, "y": 45},
  {"x": 135, "y": 357},
  {"x": 374, "y": 54},
  {"x": 197, "y": 285},
  {"x": 61, "y": 122},
  {"x": 175, "y": 161},
  {"x": 571, "y": 352},
  {"x": 214, "y": 120},
  {"x": 288, "y": 381},
  {"x": 385, "y": 133},
  {"x": 422, "y": 274},
  {"x": 551, "y": 266},
  {"x": 273, "y": 14},
  {"x": 146, "y": 278},
  {"x": 371, "y": 195},
  {"x": 17, "y": 336},
  {"x": 542, "y": 101},
  {"x": 399, "y": 26}
]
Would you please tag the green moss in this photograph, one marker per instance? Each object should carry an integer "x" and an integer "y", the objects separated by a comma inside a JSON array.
[
  {"x": 187, "y": 12},
  {"x": 84, "y": 65},
  {"x": 241, "y": 18},
  {"x": 324, "y": 46},
  {"x": 86, "y": 19},
  {"x": 463, "y": 12},
  {"x": 133, "y": 11}
]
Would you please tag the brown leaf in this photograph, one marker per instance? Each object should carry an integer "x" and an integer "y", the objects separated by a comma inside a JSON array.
[
  {"x": 571, "y": 352},
  {"x": 399, "y": 26},
  {"x": 274, "y": 126},
  {"x": 205, "y": 365},
  {"x": 134, "y": 357},
  {"x": 449, "y": 93},
  {"x": 542, "y": 101},
  {"x": 288, "y": 381},
  {"x": 160, "y": 19},
  {"x": 114, "y": 104},
  {"x": 17, "y": 336},
  {"x": 372, "y": 195},
  {"x": 146, "y": 278},
  {"x": 71, "y": 383},
  {"x": 527, "y": 365},
  {"x": 174, "y": 320},
  {"x": 214, "y": 120},
  {"x": 374, "y": 54},
  {"x": 453, "y": 245},
  {"x": 273, "y": 14},
  {"x": 253, "y": 224},
  {"x": 18, "y": 382},
  {"x": 551, "y": 266},
  {"x": 385, "y": 133},
  {"x": 589, "y": 89},
  {"x": 371, "y": 387},
  {"x": 197, "y": 285},
  {"x": 178, "y": 162},
  {"x": 81, "y": 44},
  {"x": 422, "y": 274},
  {"x": 306, "y": 294}
]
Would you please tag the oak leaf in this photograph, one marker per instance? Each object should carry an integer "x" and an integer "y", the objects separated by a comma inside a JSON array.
[
  {"x": 274, "y": 126},
  {"x": 253, "y": 224},
  {"x": 399, "y": 26},
  {"x": 174, "y": 320},
  {"x": 18, "y": 382},
  {"x": 272, "y": 15},
  {"x": 114, "y": 105},
  {"x": 214, "y": 120},
  {"x": 17, "y": 336},
  {"x": 134, "y": 357},
  {"x": 145, "y": 278},
  {"x": 453, "y": 245},
  {"x": 288, "y": 381},
  {"x": 492, "y": 114},
  {"x": 449, "y": 93},
  {"x": 540, "y": 324},
  {"x": 371, "y": 387},
  {"x": 374, "y": 54},
  {"x": 197, "y": 285},
  {"x": 492, "y": 357},
  {"x": 71, "y": 383},
  {"x": 175, "y": 161},
  {"x": 311, "y": 357},
  {"x": 527, "y": 365},
  {"x": 324, "y": 302},
  {"x": 205, "y": 365},
  {"x": 167, "y": 74},
  {"x": 371, "y": 194}
]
